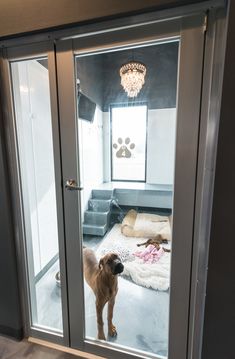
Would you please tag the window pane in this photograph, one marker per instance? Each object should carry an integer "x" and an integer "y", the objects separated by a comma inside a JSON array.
[
  {"x": 129, "y": 143},
  {"x": 127, "y": 161},
  {"x": 34, "y": 133}
]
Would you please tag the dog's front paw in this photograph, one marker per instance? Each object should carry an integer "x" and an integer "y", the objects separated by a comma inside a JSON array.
[
  {"x": 101, "y": 336},
  {"x": 112, "y": 331}
]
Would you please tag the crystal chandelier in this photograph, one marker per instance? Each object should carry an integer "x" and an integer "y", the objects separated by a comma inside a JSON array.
[{"x": 132, "y": 77}]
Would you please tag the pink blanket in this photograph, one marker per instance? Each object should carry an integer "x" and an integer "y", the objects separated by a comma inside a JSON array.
[{"x": 150, "y": 254}]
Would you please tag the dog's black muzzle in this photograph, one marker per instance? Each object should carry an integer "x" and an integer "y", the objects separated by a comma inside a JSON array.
[{"x": 118, "y": 267}]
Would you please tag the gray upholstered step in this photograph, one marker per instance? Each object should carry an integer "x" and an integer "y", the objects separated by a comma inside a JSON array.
[
  {"x": 94, "y": 229},
  {"x": 102, "y": 194},
  {"x": 99, "y": 205},
  {"x": 98, "y": 218}
]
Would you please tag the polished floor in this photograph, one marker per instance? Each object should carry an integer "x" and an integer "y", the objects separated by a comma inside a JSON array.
[
  {"x": 140, "y": 314},
  {"x": 11, "y": 349},
  {"x": 48, "y": 300}
]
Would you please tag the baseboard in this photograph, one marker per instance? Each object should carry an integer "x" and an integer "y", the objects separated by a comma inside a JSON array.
[{"x": 12, "y": 332}]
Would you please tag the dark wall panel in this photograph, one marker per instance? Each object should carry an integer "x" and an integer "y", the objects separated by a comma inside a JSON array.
[
  {"x": 10, "y": 314},
  {"x": 89, "y": 73},
  {"x": 159, "y": 90},
  {"x": 219, "y": 328},
  {"x": 30, "y": 15},
  {"x": 100, "y": 79}
]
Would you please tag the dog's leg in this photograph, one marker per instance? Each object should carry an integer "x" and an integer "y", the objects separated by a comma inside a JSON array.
[
  {"x": 141, "y": 244},
  {"x": 111, "y": 328},
  {"x": 99, "y": 314}
]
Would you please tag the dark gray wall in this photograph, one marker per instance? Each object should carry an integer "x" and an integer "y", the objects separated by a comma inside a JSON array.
[
  {"x": 90, "y": 75},
  {"x": 159, "y": 90},
  {"x": 10, "y": 314},
  {"x": 219, "y": 328},
  {"x": 31, "y": 15},
  {"x": 100, "y": 78}
]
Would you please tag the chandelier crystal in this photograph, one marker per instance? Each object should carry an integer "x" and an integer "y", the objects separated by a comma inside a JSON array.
[{"x": 132, "y": 77}]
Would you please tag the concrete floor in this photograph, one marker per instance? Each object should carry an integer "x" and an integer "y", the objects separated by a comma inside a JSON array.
[
  {"x": 49, "y": 316},
  {"x": 11, "y": 349},
  {"x": 140, "y": 314}
]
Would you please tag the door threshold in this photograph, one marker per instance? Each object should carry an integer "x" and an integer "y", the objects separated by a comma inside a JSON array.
[{"x": 61, "y": 348}]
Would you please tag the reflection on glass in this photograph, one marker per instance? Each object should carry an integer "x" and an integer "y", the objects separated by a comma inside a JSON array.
[
  {"x": 128, "y": 221},
  {"x": 34, "y": 133}
]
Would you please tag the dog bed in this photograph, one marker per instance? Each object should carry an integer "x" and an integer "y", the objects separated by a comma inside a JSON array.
[
  {"x": 150, "y": 275},
  {"x": 145, "y": 225}
]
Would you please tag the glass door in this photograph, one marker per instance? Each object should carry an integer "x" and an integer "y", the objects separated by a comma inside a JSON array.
[
  {"x": 129, "y": 242},
  {"x": 31, "y": 70}
]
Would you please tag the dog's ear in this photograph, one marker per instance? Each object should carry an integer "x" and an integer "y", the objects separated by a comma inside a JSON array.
[{"x": 101, "y": 263}]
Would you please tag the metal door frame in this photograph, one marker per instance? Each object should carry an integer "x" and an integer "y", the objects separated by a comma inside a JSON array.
[
  {"x": 11, "y": 54},
  {"x": 191, "y": 31},
  {"x": 210, "y": 111}
]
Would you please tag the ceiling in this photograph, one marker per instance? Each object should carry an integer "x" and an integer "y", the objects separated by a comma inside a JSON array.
[{"x": 100, "y": 80}]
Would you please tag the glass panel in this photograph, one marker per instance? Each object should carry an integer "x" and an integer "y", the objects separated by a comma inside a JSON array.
[
  {"x": 128, "y": 143},
  {"x": 34, "y": 133},
  {"x": 127, "y": 223}
]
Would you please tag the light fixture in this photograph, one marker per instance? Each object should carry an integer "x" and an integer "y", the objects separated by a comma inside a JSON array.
[{"x": 132, "y": 77}]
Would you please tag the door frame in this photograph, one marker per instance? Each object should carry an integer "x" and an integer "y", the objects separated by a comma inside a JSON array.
[
  {"x": 11, "y": 54},
  {"x": 215, "y": 44},
  {"x": 188, "y": 113},
  {"x": 214, "y": 56}
]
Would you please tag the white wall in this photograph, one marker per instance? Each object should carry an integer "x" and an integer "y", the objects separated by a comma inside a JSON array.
[
  {"x": 106, "y": 147},
  {"x": 161, "y": 146},
  {"x": 91, "y": 155},
  {"x": 33, "y": 117}
]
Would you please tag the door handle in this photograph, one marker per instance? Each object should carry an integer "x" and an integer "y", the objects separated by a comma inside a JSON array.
[{"x": 71, "y": 185}]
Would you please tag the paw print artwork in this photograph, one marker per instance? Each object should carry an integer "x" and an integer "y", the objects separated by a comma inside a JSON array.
[{"x": 124, "y": 149}]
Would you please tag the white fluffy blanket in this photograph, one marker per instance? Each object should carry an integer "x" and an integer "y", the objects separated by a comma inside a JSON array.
[
  {"x": 152, "y": 224},
  {"x": 150, "y": 275}
]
